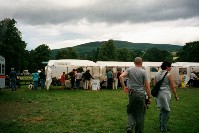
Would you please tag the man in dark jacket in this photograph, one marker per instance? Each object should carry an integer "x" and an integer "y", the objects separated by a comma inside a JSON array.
[
  {"x": 87, "y": 77},
  {"x": 13, "y": 79},
  {"x": 42, "y": 78},
  {"x": 72, "y": 78}
]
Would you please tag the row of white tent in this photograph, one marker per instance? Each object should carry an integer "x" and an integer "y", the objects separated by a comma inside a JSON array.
[{"x": 55, "y": 68}]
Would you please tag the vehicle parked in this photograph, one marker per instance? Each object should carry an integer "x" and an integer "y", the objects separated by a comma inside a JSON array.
[{"x": 26, "y": 73}]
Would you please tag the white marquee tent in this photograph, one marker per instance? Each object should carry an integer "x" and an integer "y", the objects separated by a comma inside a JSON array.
[
  {"x": 188, "y": 66},
  {"x": 55, "y": 68}
]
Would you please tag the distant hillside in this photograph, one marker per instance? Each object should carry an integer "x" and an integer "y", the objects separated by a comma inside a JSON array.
[{"x": 89, "y": 47}]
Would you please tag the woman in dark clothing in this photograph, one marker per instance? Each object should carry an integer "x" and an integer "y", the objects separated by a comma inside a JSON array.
[{"x": 87, "y": 77}]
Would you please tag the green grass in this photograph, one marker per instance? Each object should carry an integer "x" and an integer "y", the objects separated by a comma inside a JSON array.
[{"x": 79, "y": 111}]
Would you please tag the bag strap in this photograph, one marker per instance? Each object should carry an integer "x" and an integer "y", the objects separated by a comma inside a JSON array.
[{"x": 164, "y": 76}]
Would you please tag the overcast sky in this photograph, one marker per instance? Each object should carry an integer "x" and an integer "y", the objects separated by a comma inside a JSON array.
[{"x": 66, "y": 23}]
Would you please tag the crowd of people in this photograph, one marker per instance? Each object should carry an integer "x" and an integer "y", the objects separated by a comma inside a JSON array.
[
  {"x": 77, "y": 79},
  {"x": 38, "y": 79},
  {"x": 137, "y": 88},
  {"x": 113, "y": 81}
]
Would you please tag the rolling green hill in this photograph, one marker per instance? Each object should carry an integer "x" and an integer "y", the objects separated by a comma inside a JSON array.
[{"x": 89, "y": 47}]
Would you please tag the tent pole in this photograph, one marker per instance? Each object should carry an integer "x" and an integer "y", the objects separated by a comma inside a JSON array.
[{"x": 99, "y": 70}]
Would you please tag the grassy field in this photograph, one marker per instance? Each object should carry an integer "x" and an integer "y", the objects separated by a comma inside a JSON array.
[{"x": 79, "y": 111}]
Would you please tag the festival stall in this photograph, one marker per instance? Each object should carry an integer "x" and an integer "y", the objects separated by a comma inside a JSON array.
[
  {"x": 55, "y": 68},
  {"x": 184, "y": 71}
]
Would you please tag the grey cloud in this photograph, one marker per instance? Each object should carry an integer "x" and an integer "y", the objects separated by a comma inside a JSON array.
[{"x": 109, "y": 11}]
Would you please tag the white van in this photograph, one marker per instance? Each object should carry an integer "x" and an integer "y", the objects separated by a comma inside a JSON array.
[{"x": 26, "y": 73}]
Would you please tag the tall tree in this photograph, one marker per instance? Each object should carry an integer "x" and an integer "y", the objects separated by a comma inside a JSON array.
[
  {"x": 107, "y": 51},
  {"x": 68, "y": 53},
  {"x": 189, "y": 52},
  {"x": 32, "y": 62},
  {"x": 123, "y": 54},
  {"x": 156, "y": 55},
  {"x": 11, "y": 45},
  {"x": 92, "y": 55},
  {"x": 41, "y": 54},
  {"x": 136, "y": 53}
]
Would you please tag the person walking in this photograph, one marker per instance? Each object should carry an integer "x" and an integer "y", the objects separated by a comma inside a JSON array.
[
  {"x": 13, "y": 79},
  {"x": 164, "y": 96},
  {"x": 136, "y": 87}
]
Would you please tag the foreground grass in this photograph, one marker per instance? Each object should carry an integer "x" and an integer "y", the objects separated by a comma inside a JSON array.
[{"x": 79, "y": 111}]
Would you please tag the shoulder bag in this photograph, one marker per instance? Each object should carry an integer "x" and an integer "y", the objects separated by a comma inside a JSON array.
[{"x": 156, "y": 88}]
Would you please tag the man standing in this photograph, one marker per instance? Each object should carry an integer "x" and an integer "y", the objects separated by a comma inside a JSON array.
[
  {"x": 72, "y": 78},
  {"x": 110, "y": 79},
  {"x": 35, "y": 77},
  {"x": 78, "y": 77},
  {"x": 42, "y": 78},
  {"x": 136, "y": 87},
  {"x": 13, "y": 79},
  {"x": 118, "y": 75},
  {"x": 87, "y": 77}
]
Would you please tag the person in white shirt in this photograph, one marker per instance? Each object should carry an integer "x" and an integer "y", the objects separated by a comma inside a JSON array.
[
  {"x": 78, "y": 77},
  {"x": 192, "y": 78}
]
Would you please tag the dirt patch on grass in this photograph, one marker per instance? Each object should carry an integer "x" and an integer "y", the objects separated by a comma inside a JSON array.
[
  {"x": 15, "y": 110},
  {"x": 9, "y": 110},
  {"x": 33, "y": 119}
]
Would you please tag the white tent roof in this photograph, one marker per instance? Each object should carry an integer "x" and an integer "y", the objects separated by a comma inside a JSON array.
[
  {"x": 75, "y": 62},
  {"x": 146, "y": 64},
  {"x": 126, "y": 64},
  {"x": 115, "y": 64},
  {"x": 72, "y": 62},
  {"x": 185, "y": 64}
]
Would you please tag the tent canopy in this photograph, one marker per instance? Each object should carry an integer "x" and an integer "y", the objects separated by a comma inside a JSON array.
[
  {"x": 98, "y": 69},
  {"x": 71, "y": 62}
]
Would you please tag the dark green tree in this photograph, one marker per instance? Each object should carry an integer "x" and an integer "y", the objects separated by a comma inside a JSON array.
[
  {"x": 93, "y": 55},
  {"x": 41, "y": 54},
  {"x": 11, "y": 45},
  {"x": 156, "y": 55},
  {"x": 26, "y": 64},
  {"x": 32, "y": 63},
  {"x": 68, "y": 53},
  {"x": 107, "y": 51},
  {"x": 136, "y": 53},
  {"x": 123, "y": 54},
  {"x": 189, "y": 52}
]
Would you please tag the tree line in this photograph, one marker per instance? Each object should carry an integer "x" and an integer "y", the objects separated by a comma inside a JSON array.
[{"x": 13, "y": 49}]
